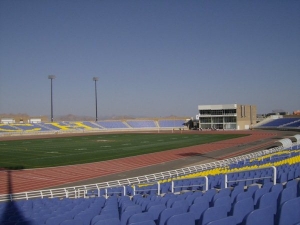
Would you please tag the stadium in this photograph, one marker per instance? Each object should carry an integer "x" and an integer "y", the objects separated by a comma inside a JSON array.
[{"x": 151, "y": 171}]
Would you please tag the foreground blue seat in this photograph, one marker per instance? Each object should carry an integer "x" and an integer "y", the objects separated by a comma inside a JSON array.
[
  {"x": 112, "y": 221},
  {"x": 263, "y": 216},
  {"x": 229, "y": 220},
  {"x": 140, "y": 217},
  {"x": 289, "y": 212},
  {"x": 101, "y": 217},
  {"x": 268, "y": 200},
  {"x": 148, "y": 222},
  {"x": 223, "y": 201},
  {"x": 155, "y": 210},
  {"x": 213, "y": 213},
  {"x": 167, "y": 213},
  {"x": 287, "y": 194},
  {"x": 184, "y": 218},
  {"x": 242, "y": 208},
  {"x": 198, "y": 208},
  {"x": 72, "y": 222}
]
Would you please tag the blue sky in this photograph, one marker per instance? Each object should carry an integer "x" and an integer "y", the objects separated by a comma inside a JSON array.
[{"x": 153, "y": 58}]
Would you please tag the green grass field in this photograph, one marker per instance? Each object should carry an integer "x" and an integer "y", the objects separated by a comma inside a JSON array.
[{"x": 77, "y": 150}]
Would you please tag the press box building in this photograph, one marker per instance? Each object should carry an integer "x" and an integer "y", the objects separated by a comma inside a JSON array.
[{"x": 228, "y": 117}]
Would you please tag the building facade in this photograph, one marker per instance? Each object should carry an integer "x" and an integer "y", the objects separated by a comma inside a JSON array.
[{"x": 227, "y": 117}]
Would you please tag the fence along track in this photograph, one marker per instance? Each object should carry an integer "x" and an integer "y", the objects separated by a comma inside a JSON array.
[{"x": 73, "y": 192}]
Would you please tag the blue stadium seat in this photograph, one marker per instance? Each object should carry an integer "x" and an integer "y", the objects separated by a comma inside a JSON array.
[
  {"x": 263, "y": 216},
  {"x": 213, "y": 213},
  {"x": 289, "y": 212},
  {"x": 113, "y": 221},
  {"x": 148, "y": 222},
  {"x": 198, "y": 208},
  {"x": 181, "y": 204},
  {"x": 140, "y": 217},
  {"x": 155, "y": 210},
  {"x": 126, "y": 214},
  {"x": 167, "y": 213},
  {"x": 242, "y": 208},
  {"x": 224, "y": 201},
  {"x": 72, "y": 222},
  {"x": 286, "y": 194},
  {"x": 184, "y": 218},
  {"x": 268, "y": 200},
  {"x": 229, "y": 220},
  {"x": 258, "y": 193}
]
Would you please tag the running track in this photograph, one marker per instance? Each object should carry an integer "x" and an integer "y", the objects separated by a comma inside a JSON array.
[{"x": 38, "y": 179}]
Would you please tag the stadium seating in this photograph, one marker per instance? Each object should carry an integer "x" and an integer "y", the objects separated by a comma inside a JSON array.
[
  {"x": 281, "y": 122},
  {"x": 112, "y": 124},
  {"x": 141, "y": 123},
  {"x": 171, "y": 123}
]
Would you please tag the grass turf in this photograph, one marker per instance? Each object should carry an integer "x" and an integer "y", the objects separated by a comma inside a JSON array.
[{"x": 24, "y": 154}]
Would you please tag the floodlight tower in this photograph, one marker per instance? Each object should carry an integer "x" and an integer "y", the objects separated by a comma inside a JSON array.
[
  {"x": 96, "y": 79},
  {"x": 51, "y": 77}
]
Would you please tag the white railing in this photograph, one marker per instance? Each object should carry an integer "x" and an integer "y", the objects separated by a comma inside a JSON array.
[
  {"x": 148, "y": 189},
  {"x": 255, "y": 178},
  {"x": 186, "y": 186}
]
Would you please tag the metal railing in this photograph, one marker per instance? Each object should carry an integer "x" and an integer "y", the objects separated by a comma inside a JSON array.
[
  {"x": 191, "y": 185},
  {"x": 254, "y": 178}
]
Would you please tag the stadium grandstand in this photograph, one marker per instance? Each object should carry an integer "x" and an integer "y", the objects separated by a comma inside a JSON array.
[{"x": 88, "y": 126}]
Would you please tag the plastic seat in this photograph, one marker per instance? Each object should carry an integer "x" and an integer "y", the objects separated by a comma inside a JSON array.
[
  {"x": 225, "y": 191},
  {"x": 198, "y": 208},
  {"x": 72, "y": 222},
  {"x": 155, "y": 210},
  {"x": 112, "y": 221},
  {"x": 220, "y": 195},
  {"x": 287, "y": 194},
  {"x": 125, "y": 215},
  {"x": 268, "y": 185},
  {"x": 243, "y": 195},
  {"x": 291, "y": 183},
  {"x": 190, "y": 199},
  {"x": 167, "y": 213},
  {"x": 55, "y": 220},
  {"x": 201, "y": 199},
  {"x": 268, "y": 200},
  {"x": 287, "y": 214},
  {"x": 229, "y": 220},
  {"x": 235, "y": 192},
  {"x": 277, "y": 188},
  {"x": 170, "y": 202},
  {"x": 264, "y": 216},
  {"x": 242, "y": 208},
  {"x": 140, "y": 217},
  {"x": 181, "y": 204},
  {"x": 148, "y": 222},
  {"x": 209, "y": 194},
  {"x": 152, "y": 203},
  {"x": 251, "y": 189},
  {"x": 185, "y": 218},
  {"x": 258, "y": 193},
  {"x": 224, "y": 201},
  {"x": 213, "y": 213},
  {"x": 101, "y": 217}
]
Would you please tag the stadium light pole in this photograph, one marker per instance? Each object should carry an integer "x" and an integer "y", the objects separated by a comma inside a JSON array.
[
  {"x": 96, "y": 79},
  {"x": 51, "y": 77}
]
